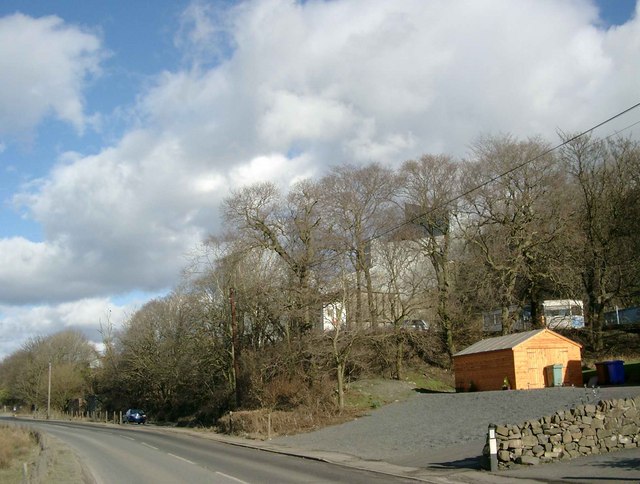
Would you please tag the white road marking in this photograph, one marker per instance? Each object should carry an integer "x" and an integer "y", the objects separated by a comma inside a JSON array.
[
  {"x": 150, "y": 446},
  {"x": 231, "y": 477},
  {"x": 181, "y": 458},
  {"x": 128, "y": 438}
]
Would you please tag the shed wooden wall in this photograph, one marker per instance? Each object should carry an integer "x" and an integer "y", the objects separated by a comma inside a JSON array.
[
  {"x": 524, "y": 365},
  {"x": 532, "y": 357},
  {"x": 483, "y": 371}
]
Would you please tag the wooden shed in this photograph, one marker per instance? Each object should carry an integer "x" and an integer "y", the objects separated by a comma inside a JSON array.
[{"x": 526, "y": 360}]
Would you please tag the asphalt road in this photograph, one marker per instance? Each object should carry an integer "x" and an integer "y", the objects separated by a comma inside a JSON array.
[{"x": 140, "y": 454}]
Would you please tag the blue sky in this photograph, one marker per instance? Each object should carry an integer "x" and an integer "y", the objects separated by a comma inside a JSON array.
[{"x": 124, "y": 124}]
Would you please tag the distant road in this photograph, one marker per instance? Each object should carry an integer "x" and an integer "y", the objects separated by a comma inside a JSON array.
[{"x": 137, "y": 454}]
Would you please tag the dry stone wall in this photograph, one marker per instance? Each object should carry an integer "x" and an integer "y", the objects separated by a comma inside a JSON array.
[{"x": 586, "y": 429}]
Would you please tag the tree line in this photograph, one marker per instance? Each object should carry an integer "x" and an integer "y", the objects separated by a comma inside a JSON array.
[{"x": 317, "y": 283}]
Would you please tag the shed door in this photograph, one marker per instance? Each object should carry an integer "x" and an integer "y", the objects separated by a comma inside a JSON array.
[{"x": 535, "y": 359}]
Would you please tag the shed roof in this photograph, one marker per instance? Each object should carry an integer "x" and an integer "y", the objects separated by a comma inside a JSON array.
[{"x": 508, "y": 341}]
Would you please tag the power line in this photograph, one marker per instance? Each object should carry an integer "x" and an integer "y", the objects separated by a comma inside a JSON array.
[{"x": 509, "y": 171}]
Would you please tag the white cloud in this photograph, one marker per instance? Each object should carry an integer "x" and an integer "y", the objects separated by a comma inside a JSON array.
[
  {"x": 279, "y": 90},
  {"x": 290, "y": 117},
  {"x": 44, "y": 64},
  {"x": 19, "y": 323}
]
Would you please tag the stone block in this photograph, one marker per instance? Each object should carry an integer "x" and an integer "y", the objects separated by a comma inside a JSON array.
[
  {"x": 624, "y": 440},
  {"x": 529, "y": 441},
  {"x": 629, "y": 429},
  {"x": 528, "y": 460},
  {"x": 537, "y": 450},
  {"x": 543, "y": 438},
  {"x": 587, "y": 442},
  {"x": 515, "y": 444},
  {"x": 502, "y": 430},
  {"x": 504, "y": 455}
]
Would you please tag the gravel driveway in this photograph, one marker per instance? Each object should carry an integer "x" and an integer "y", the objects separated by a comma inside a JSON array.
[{"x": 406, "y": 433}]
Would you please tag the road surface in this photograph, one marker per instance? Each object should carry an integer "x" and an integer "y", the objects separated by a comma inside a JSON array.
[{"x": 140, "y": 454}]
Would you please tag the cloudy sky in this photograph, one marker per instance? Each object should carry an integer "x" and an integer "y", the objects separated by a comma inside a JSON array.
[{"x": 124, "y": 124}]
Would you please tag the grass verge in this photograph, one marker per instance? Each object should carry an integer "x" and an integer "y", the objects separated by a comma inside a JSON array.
[{"x": 18, "y": 446}]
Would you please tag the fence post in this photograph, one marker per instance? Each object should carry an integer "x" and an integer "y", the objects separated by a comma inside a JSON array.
[{"x": 269, "y": 426}]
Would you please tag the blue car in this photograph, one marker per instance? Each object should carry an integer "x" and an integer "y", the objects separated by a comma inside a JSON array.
[{"x": 134, "y": 415}]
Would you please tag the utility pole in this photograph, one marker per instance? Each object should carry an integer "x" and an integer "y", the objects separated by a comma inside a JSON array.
[
  {"x": 235, "y": 349},
  {"x": 49, "y": 394}
]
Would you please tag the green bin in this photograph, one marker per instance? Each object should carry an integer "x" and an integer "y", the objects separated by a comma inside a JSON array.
[{"x": 554, "y": 375}]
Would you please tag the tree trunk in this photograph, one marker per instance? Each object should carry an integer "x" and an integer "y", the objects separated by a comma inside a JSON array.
[{"x": 340, "y": 367}]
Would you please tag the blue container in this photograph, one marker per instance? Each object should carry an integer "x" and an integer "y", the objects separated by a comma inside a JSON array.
[{"x": 616, "y": 372}]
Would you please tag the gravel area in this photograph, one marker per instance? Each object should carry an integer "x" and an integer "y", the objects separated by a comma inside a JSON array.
[{"x": 404, "y": 432}]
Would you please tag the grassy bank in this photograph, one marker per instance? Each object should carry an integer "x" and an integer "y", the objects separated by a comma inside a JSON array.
[{"x": 18, "y": 446}]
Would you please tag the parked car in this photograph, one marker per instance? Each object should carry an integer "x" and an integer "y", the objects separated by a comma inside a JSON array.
[{"x": 134, "y": 415}]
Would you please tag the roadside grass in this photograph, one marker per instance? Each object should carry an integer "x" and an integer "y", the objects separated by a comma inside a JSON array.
[{"x": 17, "y": 446}]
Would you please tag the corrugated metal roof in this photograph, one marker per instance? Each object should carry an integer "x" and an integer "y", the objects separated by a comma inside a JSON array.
[{"x": 500, "y": 343}]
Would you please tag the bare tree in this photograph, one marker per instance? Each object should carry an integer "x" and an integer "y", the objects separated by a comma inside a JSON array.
[
  {"x": 356, "y": 200},
  {"x": 428, "y": 187},
  {"x": 605, "y": 240},
  {"x": 70, "y": 354},
  {"x": 288, "y": 226},
  {"x": 512, "y": 218}
]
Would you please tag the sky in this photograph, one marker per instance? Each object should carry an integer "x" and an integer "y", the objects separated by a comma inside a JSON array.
[{"x": 124, "y": 124}]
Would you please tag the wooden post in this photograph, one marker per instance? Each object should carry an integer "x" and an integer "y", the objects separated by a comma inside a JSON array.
[
  {"x": 235, "y": 347},
  {"x": 269, "y": 426}
]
